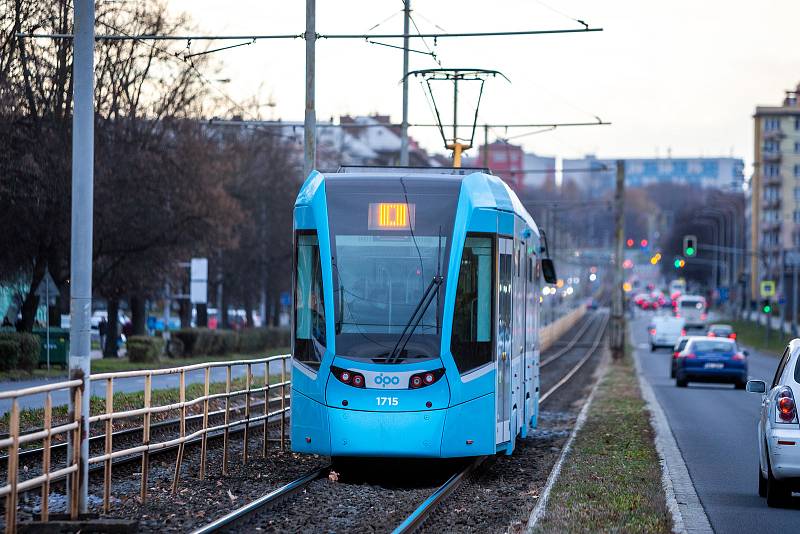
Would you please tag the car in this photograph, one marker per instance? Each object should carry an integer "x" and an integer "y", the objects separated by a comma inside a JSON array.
[
  {"x": 778, "y": 430},
  {"x": 665, "y": 331},
  {"x": 711, "y": 359},
  {"x": 721, "y": 330},
  {"x": 679, "y": 346},
  {"x": 693, "y": 310}
]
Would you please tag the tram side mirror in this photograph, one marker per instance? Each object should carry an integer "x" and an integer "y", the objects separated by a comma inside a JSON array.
[
  {"x": 549, "y": 271},
  {"x": 756, "y": 386}
]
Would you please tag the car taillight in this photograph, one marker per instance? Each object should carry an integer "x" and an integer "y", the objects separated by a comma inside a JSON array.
[
  {"x": 426, "y": 378},
  {"x": 652, "y": 331},
  {"x": 677, "y": 315},
  {"x": 675, "y": 355},
  {"x": 703, "y": 316},
  {"x": 711, "y": 334},
  {"x": 351, "y": 378},
  {"x": 732, "y": 335},
  {"x": 738, "y": 356},
  {"x": 689, "y": 355},
  {"x": 785, "y": 406},
  {"x": 683, "y": 331}
]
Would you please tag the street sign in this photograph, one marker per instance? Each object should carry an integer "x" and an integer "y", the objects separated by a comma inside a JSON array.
[
  {"x": 198, "y": 275},
  {"x": 724, "y": 294},
  {"x": 767, "y": 288},
  {"x": 47, "y": 290}
]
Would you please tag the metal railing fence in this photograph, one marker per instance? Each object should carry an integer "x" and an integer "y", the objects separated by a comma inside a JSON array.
[{"x": 235, "y": 415}]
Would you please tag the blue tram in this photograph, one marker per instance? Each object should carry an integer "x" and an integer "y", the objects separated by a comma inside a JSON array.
[{"x": 416, "y": 311}]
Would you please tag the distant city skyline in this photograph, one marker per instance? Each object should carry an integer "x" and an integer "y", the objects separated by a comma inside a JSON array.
[{"x": 683, "y": 79}]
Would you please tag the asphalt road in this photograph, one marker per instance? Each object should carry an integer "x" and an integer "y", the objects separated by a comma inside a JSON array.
[{"x": 715, "y": 428}]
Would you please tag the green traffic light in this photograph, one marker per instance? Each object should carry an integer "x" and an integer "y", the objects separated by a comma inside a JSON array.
[
  {"x": 690, "y": 251},
  {"x": 767, "y": 308},
  {"x": 677, "y": 264}
]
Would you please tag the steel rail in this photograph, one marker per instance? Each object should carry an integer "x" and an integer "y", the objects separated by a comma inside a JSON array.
[
  {"x": 580, "y": 363},
  {"x": 572, "y": 342},
  {"x": 417, "y": 518},
  {"x": 265, "y": 500}
]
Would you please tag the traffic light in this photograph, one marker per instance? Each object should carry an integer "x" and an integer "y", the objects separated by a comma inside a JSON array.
[
  {"x": 629, "y": 242},
  {"x": 689, "y": 245},
  {"x": 766, "y": 307},
  {"x": 679, "y": 263},
  {"x": 643, "y": 243}
]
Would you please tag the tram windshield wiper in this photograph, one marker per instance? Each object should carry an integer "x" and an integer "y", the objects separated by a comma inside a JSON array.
[{"x": 413, "y": 321}]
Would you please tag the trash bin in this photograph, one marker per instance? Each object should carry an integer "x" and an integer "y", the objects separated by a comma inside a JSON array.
[{"x": 59, "y": 346}]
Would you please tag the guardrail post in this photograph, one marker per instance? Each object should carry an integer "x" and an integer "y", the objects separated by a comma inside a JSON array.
[
  {"x": 179, "y": 459},
  {"x": 204, "y": 440},
  {"x": 247, "y": 384},
  {"x": 283, "y": 401},
  {"x": 13, "y": 451},
  {"x": 109, "y": 444},
  {"x": 77, "y": 461},
  {"x": 146, "y": 437},
  {"x": 266, "y": 409},
  {"x": 226, "y": 432},
  {"x": 48, "y": 424}
]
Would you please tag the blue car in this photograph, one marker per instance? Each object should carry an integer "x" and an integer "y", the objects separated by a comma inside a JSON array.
[{"x": 711, "y": 359}]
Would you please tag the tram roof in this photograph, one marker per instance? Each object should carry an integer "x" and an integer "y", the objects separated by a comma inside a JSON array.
[{"x": 485, "y": 190}]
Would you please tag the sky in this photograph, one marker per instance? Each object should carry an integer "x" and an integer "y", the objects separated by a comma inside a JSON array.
[{"x": 680, "y": 77}]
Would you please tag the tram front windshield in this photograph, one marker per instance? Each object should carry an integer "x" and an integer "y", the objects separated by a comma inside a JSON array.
[{"x": 390, "y": 239}]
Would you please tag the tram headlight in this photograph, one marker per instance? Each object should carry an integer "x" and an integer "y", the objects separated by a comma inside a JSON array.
[
  {"x": 351, "y": 378},
  {"x": 426, "y": 378}
]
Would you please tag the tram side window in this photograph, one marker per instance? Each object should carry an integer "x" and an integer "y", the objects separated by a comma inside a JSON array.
[
  {"x": 309, "y": 341},
  {"x": 471, "y": 341}
]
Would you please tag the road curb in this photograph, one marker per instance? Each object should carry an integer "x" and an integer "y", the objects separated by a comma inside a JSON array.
[
  {"x": 541, "y": 504},
  {"x": 688, "y": 514}
]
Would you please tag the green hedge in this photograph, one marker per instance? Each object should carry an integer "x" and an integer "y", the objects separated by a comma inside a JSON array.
[
  {"x": 208, "y": 342},
  {"x": 144, "y": 349},
  {"x": 18, "y": 350}
]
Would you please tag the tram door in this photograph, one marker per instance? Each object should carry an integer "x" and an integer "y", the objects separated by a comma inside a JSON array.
[{"x": 504, "y": 351}]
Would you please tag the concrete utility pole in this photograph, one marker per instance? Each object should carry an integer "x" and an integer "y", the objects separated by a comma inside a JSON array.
[
  {"x": 310, "y": 126},
  {"x": 617, "y": 303},
  {"x": 81, "y": 242},
  {"x": 404, "y": 126}
]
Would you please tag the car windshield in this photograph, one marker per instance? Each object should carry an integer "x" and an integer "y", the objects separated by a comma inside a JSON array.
[
  {"x": 721, "y": 330},
  {"x": 712, "y": 346},
  {"x": 390, "y": 238},
  {"x": 692, "y": 304}
]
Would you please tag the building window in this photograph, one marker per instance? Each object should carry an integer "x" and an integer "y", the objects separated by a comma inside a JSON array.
[
  {"x": 797, "y": 123},
  {"x": 797, "y": 216},
  {"x": 771, "y": 170},
  {"x": 772, "y": 124},
  {"x": 499, "y": 156},
  {"x": 771, "y": 146},
  {"x": 796, "y": 170},
  {"x": 797, "y": 147},
  {"x": 797, "y": 194}
]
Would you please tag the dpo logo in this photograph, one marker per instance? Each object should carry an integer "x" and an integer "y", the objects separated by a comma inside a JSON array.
[{"x": 384, "y": 381}]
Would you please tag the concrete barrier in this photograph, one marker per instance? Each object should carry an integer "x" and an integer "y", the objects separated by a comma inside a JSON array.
[{"x": 550, "y": 333}]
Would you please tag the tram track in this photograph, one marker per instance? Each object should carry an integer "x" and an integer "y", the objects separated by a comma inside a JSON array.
[{"x": 424, "y": 513}]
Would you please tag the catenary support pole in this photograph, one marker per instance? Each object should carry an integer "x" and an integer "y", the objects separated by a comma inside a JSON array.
[
  {"x": 617, "y": 311},
  {"x": 81, "y": 242},
  {"x": 404, "y": 126},
  {"x": 310, "y": 134}
]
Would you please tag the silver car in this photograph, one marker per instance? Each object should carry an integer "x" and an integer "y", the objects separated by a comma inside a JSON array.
[{"x": 779, "y": 430}]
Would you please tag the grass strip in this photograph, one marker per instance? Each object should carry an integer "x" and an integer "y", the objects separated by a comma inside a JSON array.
[
  {"x": 754, "y": 335},
  {"x": 112, "y": 365},
  {"x": 611, "y": 480}
]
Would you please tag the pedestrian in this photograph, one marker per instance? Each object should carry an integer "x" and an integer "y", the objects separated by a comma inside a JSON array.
[{"x": 102, "y": 329}]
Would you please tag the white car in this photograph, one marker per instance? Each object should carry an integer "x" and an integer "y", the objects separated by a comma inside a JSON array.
[
  {"x": 779, "y": 430},
  {"x": 665, "y": 331}
]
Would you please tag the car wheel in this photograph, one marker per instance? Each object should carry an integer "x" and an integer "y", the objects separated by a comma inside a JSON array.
[
  {"x": 672, "y": 371},
  {"x": 681, "y": 382},
  {"x": 762, "y": 483},
  {"x": 741, "y": 385},
  {"x": 778, "y": 491},
  {"x": 652, "y": 348}
]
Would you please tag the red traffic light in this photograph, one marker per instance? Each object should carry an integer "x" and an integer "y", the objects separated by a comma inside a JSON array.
[
  {"x": 630, "y": 242},
  {"x": 643, "y": 242}
]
